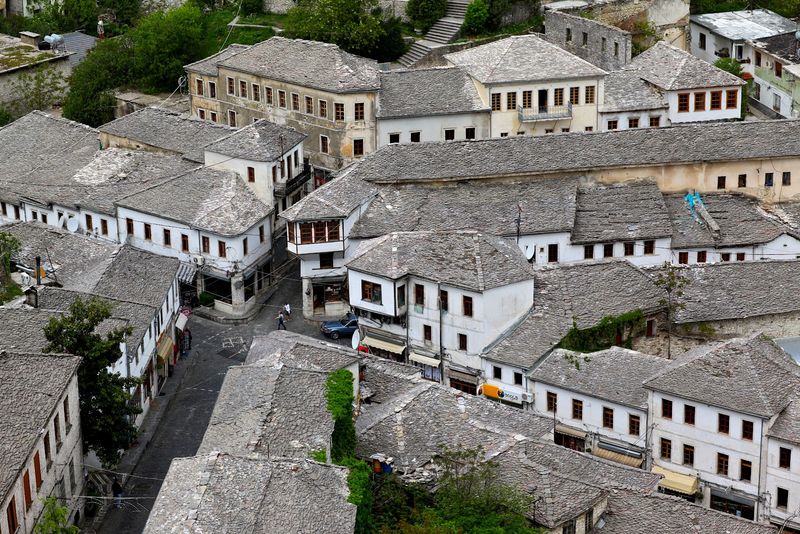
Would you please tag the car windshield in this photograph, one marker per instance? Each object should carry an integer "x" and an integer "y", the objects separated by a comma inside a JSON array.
[{"x": 345, "y": 320}]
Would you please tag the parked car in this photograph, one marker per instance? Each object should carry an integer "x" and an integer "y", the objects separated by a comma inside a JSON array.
[{"x": 341, "y": 327}]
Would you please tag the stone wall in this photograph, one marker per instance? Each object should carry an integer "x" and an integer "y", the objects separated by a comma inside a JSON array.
[
  {"x": 435, "y": 58},
  {"x": 606, "y": 46}
]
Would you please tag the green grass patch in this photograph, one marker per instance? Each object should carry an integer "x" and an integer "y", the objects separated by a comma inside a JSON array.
[
  {"x": 8, "y": 291},
  {"x": 266, "y": 19}
]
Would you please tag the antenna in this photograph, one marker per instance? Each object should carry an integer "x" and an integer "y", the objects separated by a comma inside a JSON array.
[
  {"x": 518, "y": 220},
  {"x": 356, "y": 341},
  {"x": 72, "y": 224}
]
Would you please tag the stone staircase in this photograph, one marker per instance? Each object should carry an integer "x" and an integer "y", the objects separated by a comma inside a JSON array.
[{"x": 441, "y": 33}]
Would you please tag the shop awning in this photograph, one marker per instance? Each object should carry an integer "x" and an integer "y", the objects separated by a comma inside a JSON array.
[
  {"x": 427, "y": 360},
  {"x": 561, "y": 429},
  {"x": 685, "y": 484},
  {"x": 186, "y": 273},
  {"x": 165, "y": 348},
  {"x": 180, "y": 322},
  {"x": 383, "y": 345},
  {"x": 617, "y": 457},
  {"x": 464, "y": 377}
]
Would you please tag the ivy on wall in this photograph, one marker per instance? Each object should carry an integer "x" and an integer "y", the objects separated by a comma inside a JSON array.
[{"x": 607, "y": 333}]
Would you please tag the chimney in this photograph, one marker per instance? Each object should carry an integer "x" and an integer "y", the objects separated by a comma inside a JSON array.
[
  {"x": 30, "y": 38},
  {"x": 38, "y": 270}
]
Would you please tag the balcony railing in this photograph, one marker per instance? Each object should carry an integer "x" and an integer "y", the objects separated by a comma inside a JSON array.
[
  {"x": 544, "y": 113},
  {"x": 291, "y": 185}
]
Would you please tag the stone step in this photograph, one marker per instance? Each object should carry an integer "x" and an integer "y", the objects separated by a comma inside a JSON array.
[
  {"x": 416, "y": 52},
  {"x": 456, "y": 10}
]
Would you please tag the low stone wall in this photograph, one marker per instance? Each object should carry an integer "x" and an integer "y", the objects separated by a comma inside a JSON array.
[{"x": 435, "y": 58}]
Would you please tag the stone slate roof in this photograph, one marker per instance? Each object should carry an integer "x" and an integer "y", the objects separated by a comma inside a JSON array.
[
  {"x": 620, "y": 212},
  {"x": 219, "y": 492},
  {"x": 208, "y": 66},
  {"x": 61, "y": 148},
  {"x": 324, "y": 66},
  {"x": 302, "y": 352},
  {"x": 23, "y": 329},
  {"x": 631, "y": 512},
  {"x": 584, "y": 293},
  {"x": 80, "y": 44},
  {"x": 783, "y": 46},
  {"x": 427, "y": 92},
  {"x": 548, "y": 206},
  {"x": 205, "y": 198},
  {"x": 615, "y": 374},
  {"x": 744, "y": 25},
  {"x": 672, "y": 69},
  {"x": 167, "y": 130},
  {"x": 625, "y": 90},
  {"x": 334, "y": 200},
  {"x": 737, "y": 290},
  {"x": 750, "y": 375},
  {"x": 465, "y": 259},
  {"x": 138, "y": 276},
  {"x": 521, "y": 58},
  {"x": 75, "y": 261},
  {"x": 787, "y": 426},
  {"x": 577, "y": 152},
  {"x": 40, "y": 380},
  {"x": 740, "y": 219},
  {"x": 260, "y": 141}
]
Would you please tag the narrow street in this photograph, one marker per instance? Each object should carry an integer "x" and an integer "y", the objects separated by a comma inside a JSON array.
[{"x": 215, "y": 348}]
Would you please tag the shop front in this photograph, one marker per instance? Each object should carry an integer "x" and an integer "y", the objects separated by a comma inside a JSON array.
[
  {"x": 462, "y": 381},
  {"x": 733, "y": 503}
]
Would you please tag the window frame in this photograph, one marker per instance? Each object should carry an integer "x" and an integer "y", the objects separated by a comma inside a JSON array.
[
  {"x": 577, "y": 409},
  {"x": 683, "y": 102},
  {"x": 608, "y": 417}
]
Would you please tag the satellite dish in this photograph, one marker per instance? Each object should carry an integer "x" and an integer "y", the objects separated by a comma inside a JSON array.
[
  {"x": 529, "y": 252},
  {"x": 72, "y": 224},
  {"x": 356, "y": 341}
]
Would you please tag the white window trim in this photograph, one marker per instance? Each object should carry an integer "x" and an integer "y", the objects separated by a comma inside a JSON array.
[
  {"x": 327, "y": 142},
  {"x": 228, "y": 79}
]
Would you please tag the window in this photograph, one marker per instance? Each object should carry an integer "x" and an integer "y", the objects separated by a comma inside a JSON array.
[
  {"x": 552, "y": 253},
  {"x": 394, "y": 138},
  {"x": 688, "y": 455},
  {"x": 702, "y": 41},
  {"x": 699, "y": 102},
  {"x": 731, "y": 99},
  {"x": 725, "y": 256},
  {"x": 11, "y": 515},
  {"x": 323, "y": 144},
  {"x": 462, "y": 342},
  {"x": 527, "y": 99},
  {"x": 552, "y": 401},
  {"x": 776, "y": 102},
  {"x": 558, "y": 97},
  {"x": 309, "y": 105},
  {"x": 449, "y": 134},
  {"x": 608, "y": 417},
  {"x": 745, "y": 470},
  {"x": 740, "y": 256},
  {"x": 358, "y": 147},
  {"x": 716, "y": 100},
  {"x": 401, "y": 296},
  {"x": 26, "y": 489},
  {"x": 758, "y": 59},
  {"x": 563, "y": 130},
  {"x": 333, "y": 230},
  {"x": 48, "y": 460},
  {"x": 16, "y": 212},
  {"x": 251, "y": 174},
  {"x": 427, "y": 332},
  {"x": 167, "y": 238},
  {"x": 742, "y": 182},
  {"x": 782, "y": 502},
  {"x": 44, "y": 218},
  {"x": 588, "y": 252},
  {"x": 35, "y": 215},
  {"x": 588, "y": 94},
  {"x": 569, "y": 35},
  {"x": 756, "y": 91},
  {"x": 628, "y": 248},
  {"x": 688, "y": 414},
  {"x": 701, "y": 256},
  {"x": 242, "y": 88},
  {"x": 306, "y": 233},
  {"x": 683, "y": 102},
  {"x": 588, "y": 521},
  {"x": 602, "y": 44},
  {"x": 666, "y": 409},
  {"x": 616, "y": 49},
  {"x": 213, "y": 116},
  {"x": 469, "y": 133},
  {"x": 199, "y": 87},
  {"x": 634, "y": 425},
  {"x": 415, "y": 137},
  {"x": 37, "y": 470},
  {"x": 206, "y": 245},
  {"x": 359, "y": 111},
  {"x": 747, "y": 430},
  {"x": 256, "y": 92},
  {"x": 467, "y": 306},
  {"x": 650, "y": 328},
  {"x": 517, "y": 378},
  {"x": 569, "y": 527},
  {"x": 212, "y": 89},
  {"x": 245, "y": 247},
  {"x": 496, "y": 105},
  {"x": 295, "y": 102},
  {"x": 338, "y": 111},
  {"x": 577, "y": 409},
  {"x": 683, "y": 258},
  {"x": 666, "y": 449},
  {"x": 649, "y": 247},
  {"x": 723, "y": 424},
  {"x": 655, "y": 122},
  {"x": 511, "y": 101},
  {"x": 231, "y": 86},
  {"x": 778, "y": 69},
  {"x": 608, "y": 250},
  {"x": 67, "y": 421},
  {"x": 785, "y": 458},
  {"x": 786, "y": 179},
  {"x": 290, "y": 232},
  {"x": 371, "y": 292},
  {"x": 444, "y": 303},
  {"x": 323, "y": 110},
  {"x": 633, "y": 123},
  {"x": 575, "y": 95},
  {"x": 129, "y": 226},
  {"x": 612, "y": 125},
  {"x": 222, "y": 250},
  {"x": 497, "y": 372},
  {"x": 419, "y": 295},
  {"x": 768, "y": 179},
  {"x": 268, "y": 95},
  {"x": 722, "y": 464},
  {"x": 282, "y": 98},
  {"x": 148, "y": 232},
  {"x": 89, "y": 223},
  {"x": 184, "y": 243},
  {"x": 231, "y": 118}
]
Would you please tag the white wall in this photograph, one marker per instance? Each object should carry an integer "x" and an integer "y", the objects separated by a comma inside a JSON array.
[
  {"x": 569, "y": 253},
  {"x": 708, "y": 114},
  {"x": 387, "y": 304},
  {"x": 644, "y": 118},
  {"x": 788, "y": 479},
  {"x": 431, "y": 128},
  {"x": 713, "y": 42}
]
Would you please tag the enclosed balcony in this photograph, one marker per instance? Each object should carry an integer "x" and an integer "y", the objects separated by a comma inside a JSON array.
[
  {"x": 283, "y": 189},
  {"x": 545, "y": 113}
]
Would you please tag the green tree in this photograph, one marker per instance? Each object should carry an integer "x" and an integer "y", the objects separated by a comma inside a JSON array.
[
  {"x": 5, "y": 117},
  {"x": 126, "y": 12},
  {"x": 79, "y": 15},
  {"x": 672, "y": 281},
  {"x": 106, "y": 409},
  {"x": 729, "y": 64},
  {"x": 54, "y": 519},
  {"x": 339, "y": 396},
  {"x": 39, "y": 88},
  {"x": 9, "y": 245},
  {"x": 354, "y": 25},
  {"x": 476, "y": 20},
  {"x": 424, "y": 13}
]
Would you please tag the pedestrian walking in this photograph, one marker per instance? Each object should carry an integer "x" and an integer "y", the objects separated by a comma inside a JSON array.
[
  {"x": 280, "y": 321},
  {"x": 116, "y": 489},
  {"x": 188, "y": 334},
  {"x": 288, "y": 309}
]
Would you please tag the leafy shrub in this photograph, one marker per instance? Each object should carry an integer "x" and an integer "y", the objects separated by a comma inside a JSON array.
[
  {"x": 423, "y": 13},
  {"x": 476, "y": 20},
  {"x": 206, "y": 299}
]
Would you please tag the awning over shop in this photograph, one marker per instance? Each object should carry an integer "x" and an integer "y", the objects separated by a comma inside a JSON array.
[
  {"x": 427, "y": 360},
  {"x": 561, "y": 429},
  {"x": 165, "y": 348},
  {"x": 464, "y": 377},
  {"x": 685, "y": 484},
  {"x": 186, "y": 273},
  {"x": 180, "y": 322},
  {"x": 383, "y": 345},
  {"x": 617, "y": 457}
]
